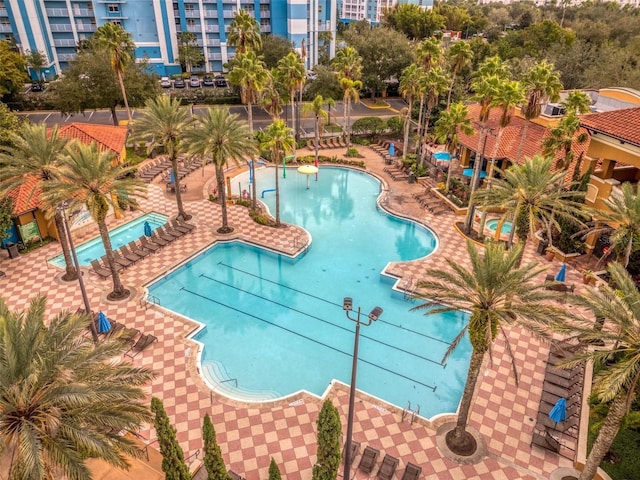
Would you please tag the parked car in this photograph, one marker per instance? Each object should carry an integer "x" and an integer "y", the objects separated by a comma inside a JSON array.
[
  {"x": 208, "y": 81},
  {"x": 221, "y": 82},
  {"x": 37, "y": 87},
  {"x": 194, "y": 81},
  {"x": 165, "y": 82},
  {"x": 179, "y": 83}
]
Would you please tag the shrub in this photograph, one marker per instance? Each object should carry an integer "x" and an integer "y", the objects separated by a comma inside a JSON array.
[
  {"x": 396, "y": 125},
  {"x": 372, "y": 126},
  {"x": 352, "y": 152}
]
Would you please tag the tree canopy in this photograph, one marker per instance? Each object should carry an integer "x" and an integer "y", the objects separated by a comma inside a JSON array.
[{"x": 13, "y": 73}]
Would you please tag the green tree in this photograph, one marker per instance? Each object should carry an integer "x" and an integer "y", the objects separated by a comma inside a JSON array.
[
  {"x": 244, "y": 33},
  {"x": 64, "y": 398},
  {"x": 161, "y": 125},
  {"x": 329, "y": 432},
  {"x": 173, "y": 464},
  {"x": 36, "y": 60},
  {"x": 410, "y": 83},
  {"x": 189, "y": 53},
  {"x": 446, "y": 130},
  {"x": 33, "y": 155},
  {"x": 291, "y": 74},
  {"x": 212, "y": 455},
  {"x": 497, "y": 292},
  {"x": 562, "y": 137},
  {"x": 459, "y": 57},
  {"x": 617, "y": 364},
  {"x": 326, "y": 84},
  {"x": 274, "y": 47},
  {"x": 274, "y": 471},
  {"x": 577, "y": 102},
  {"x": 413, "y": 21},
  {"x": 12, "y": 73},
  {"x": 347, "y": 63},
  {"x": 316, "y": 108},
  {"x": 9, "y": 125},
  {"x": 88, "y": 178},
  {"x": 270, "y": 98},
  {"x": 225, "y": 138},
  {"x": 429, "y": 53},
  {"x": 278, "y": 139},
  {"x": 118, "y": 43},
  {"x": 434, "y": 83},
  {"x": 456, "y": 18},
  {"x": 6, "y": 220},
  {"x": 249, "y": 73},
  {"x": 324, "y": 45}
]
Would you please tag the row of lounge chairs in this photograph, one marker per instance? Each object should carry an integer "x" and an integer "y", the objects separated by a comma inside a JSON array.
[
  {"x": 432, "y": 203},
  {"x": 560, "y": 383},
  {"x": 381, "y": 148},
  {"x": 151, "y": 171},
  {"x": 185, "y": 169},
  {"x": 331, "y": 142},
  {"x": 388, "y": 466},
  {"x": 129, "y": 254}
]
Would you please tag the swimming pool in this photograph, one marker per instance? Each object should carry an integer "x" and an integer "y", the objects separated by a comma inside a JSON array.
[
  {"x": 493, "y": 225},
  {"x": 275, "y": 325},
  {"x": 130, "y": 231}
]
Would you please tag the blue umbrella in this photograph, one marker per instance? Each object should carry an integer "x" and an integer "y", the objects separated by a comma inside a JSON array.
[
  {"x": 103, "y": 323},
  {"x": 468, "y": 172},
  {"x": 442, "y": 156},
  {"x": 392, "y": 150},
  {"x": 559, "y": 411},
  {"x": 148, "y": 231},
  {"x": 172, "y": 178},
  {"x": 562, "y": 274}
]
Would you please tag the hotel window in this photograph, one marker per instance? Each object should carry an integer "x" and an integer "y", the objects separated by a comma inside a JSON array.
[
  {"x": 191, "y": 22},
  {"x": 188, "y": 7},
  {"x": 116, "y": 22},
  {"x": 114, "y": 8}
]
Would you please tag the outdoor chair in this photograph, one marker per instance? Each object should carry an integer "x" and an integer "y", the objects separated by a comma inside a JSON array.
[
  {"x": 180, "y": 228},
  {"x": 560, "y": 391},
  {"x": 149, "y": 245},
  {"x": 105, "y": 261},
  {"x": 183, "y": 223},
  {"x": 355, "y": 448},
  {"x": 99, "y": 270},
  {"x": 143, "y": 342},
  {"x": 411, "y": 472},
  {"x": 551, "y": 399},
  {"x": 234, "y": 476},
  {"x": 126, "y": 334},
  {"x": 388, "y": 467},
  {"x": 120, "y": 260},
  {"x": 162, "y": 238},
  {"x": 568, "y": 425},
  {"x": 141, "y": 252},
  {"x": 170, "y": 231},
  {"x": 124, "y": 251},
  {"x": 546, "y": 441},
  {"x": 368, "y": 460},
  {"x": 562, "y": 381}
]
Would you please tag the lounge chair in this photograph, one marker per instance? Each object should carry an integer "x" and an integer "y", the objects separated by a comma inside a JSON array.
[
  {"x": 388, "y": 467},
  {"x": 562, "y": 381},
  {"x": 570, "y": 424},
  {"x": 120, "y": 260},
  {"x": 546, "y": 441},
  {"x": 99, "y": 270},
  {"x": 171, "y": 231},
  {"x": 161, "y": 238},
  {"x": 143, "y": 342},
  {"x": 180, "y": 228},
  {"x": 355, "y": 448},
  {"x": 368, "y": 460},
  {"x": 105, "y": 261},
  {"x": 234, "y": 476},
  {"x": 411, "y": 472},
  {"x": 567, "y": 393},
  {"x": 141, "y": 252},
  {"x": 150, "y": 245},
  {"x": 124, "y": 251},
  {"x": 126, "y": 333}
]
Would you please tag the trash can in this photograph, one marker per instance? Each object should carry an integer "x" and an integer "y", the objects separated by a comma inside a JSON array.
[
  {"x": 542, "y": 246},
  {"x": 12, "y": 248},
  {"x": 412, "y": 178}
]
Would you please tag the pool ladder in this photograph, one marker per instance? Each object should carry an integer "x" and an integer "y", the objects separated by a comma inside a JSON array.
[
  {"x": 413, "y": 413},
  {"x": 147, "y": 299},
  {"x": 409, "y": 289}
]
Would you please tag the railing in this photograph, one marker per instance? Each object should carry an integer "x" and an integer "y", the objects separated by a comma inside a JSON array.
[
  {"x": 145, "y": 450},
  {"x": 195, "y": 454},
  {"x": 5, "y": 28},
  {"x": 149, "y": 299},
  {"x": 57, "y": 12},
  {"x": 192, "y": 14},
  {"x": 83, "y": 12},
  {"x": 64, "y": 42},
  {"x": 60, "y": 27},
  {"x": 66, "y": 57},
  {"x": 408, "y": 411},
  {"x": 85, "y": 27},
  {"x": 212, "y": 28}
]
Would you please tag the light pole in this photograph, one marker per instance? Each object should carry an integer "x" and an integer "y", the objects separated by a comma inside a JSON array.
[
  {"x": 347, "y": 306},
  {"x": 87, "y": 306}
]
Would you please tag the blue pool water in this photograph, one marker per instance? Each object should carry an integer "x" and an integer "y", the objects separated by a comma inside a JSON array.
[
  {"x": 275, "y": 325},
  {"x": 493, "y": 224},
  {"x": 130, "y": 231}
]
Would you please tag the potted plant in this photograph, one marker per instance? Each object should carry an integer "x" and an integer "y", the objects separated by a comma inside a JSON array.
[
  {"x": 550, "y": 253},
  {"x": 587, "y": 276}
]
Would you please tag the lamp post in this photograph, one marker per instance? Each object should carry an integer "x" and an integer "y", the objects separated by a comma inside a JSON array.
[
  {"x": 87, "y": 306},
  {"x": 347, "y": 306}
]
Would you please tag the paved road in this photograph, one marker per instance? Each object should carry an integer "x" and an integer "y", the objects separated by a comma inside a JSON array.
[{"x": 260, "y": 117}]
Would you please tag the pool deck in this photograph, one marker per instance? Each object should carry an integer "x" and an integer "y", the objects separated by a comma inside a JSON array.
[{"x": 249, "y": 435}]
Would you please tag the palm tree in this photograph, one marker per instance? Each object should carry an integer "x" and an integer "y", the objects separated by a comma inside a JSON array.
[
  {"x": 435, "y": 84},
  {"x": 562, "y": 137},
  {"x": 31, "y": 160},
  {"x": 541, "y": 84},
  {"x": 270, "y": 98},
  {"x": 617, "y": 364},
  {"x": 429, "y": 53},
  {"x": 347, "y": 63},
  {"x": 410, "y": 90},
  {"x": 162, "y": 125},
  {"x": 446, "y": 130},
  {"x": 244, "y": 33},
  {"x": 497, "y": 292},
  {"x": 120, "y": 46},
  {"x": 577, "y": 102},
  {"x": 621, "y": 221},
  {"x": 88, "y": 178},
  {"x": 459, "y": 56},
  {"x": 291, "y": 73},
  {"x": 350, "y": 88},
  {"x": 320, "y": 115},
  {"x": 250, "y": 74},
  {"x": 531, "y": 194},
  {"x": 279, "y": 140},
  {"x": 64, "y": 398},
  {"x": 227, "y": 139}
]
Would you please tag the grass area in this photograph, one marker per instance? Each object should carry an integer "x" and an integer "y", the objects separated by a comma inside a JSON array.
[
  {"x": 623, "y": 461},
  {"x": 133, "y": 158}
]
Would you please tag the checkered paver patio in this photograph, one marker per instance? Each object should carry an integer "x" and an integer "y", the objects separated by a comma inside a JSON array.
[{"x": 250, "y": 434}]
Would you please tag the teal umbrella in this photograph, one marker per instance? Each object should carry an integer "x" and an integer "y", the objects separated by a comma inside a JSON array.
[{"x": 103, "y": 323}]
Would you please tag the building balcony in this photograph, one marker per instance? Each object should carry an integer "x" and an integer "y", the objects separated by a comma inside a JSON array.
[
  {"x": 114, "y": 16},
  {"x": 192, "y": 14},
  {"x": 57, "y": 12},
  {"x": 64, "y": 42},
  {"x": 5, "y": 28},
  {"x": 210, "y": 14},
  {"x": 228, "y": 14},
  {"x": 60, "y": 27},
  {"x": 83, "y": 12},
  {"x": 212, "y": 28},
  {"x": 85, "y": 27},
  {"x": 66, "y": 57},
  {"x": 194, "y": 28},
  {"x": 3, "y": 12},
  {"x": 265, "y": 28}
]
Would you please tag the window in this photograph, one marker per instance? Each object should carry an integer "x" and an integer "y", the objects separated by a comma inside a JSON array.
[
  {"x": 175, "y": 7},
  {"x": 116, "y": 22},
  {"x": 191, "y": 22},
  {"x": 188, "y": 7},
  {"x": 114, "y": 8},
  {"x": 93, "y": 21}
]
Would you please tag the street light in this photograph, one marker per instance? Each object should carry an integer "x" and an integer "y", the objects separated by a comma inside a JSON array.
[
  {"x": 347, "y": 306},
  {"x": 67, "y": 231}
]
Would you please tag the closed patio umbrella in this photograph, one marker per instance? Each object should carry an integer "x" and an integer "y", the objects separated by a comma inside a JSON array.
[
  {"x": 392, "y": 150},
  {"x": 148, "y": 231},
  {"x": 562, "y": 273},
  {"x": 103, "y": 323},
  {"x": 559, "y": 411}
]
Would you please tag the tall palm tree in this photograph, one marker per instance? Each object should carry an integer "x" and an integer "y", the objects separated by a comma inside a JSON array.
[
  {"x": 410, "y": 90},
  {"x": 270, "y": 98},
  {"x": 88, "y": 178},
  {"x": 497, "y": 292},
  {"x": 429, "y": 53},
  {"x": 316, "y": 108},
  {"x": 250, "y": 74},
  {"x": 436, "y": 82},
  {"x": 541, "y": 84},
  {"x": 120, "y": 46},
  {"x": 562, "y": 137},
  {"x": 449, "y": 123},
  {"x": 617, "y": 364},
  {"x": 291, "y": 73},
  {"x": 227, "y": 139},
  {"x": 244, "y": 33},
  {"x": 460, "y": 56},
  {"x": 351, "y": 95},
  {"x": 31, "y": 160},
  {"x": 64, "y": 398},
  {"x": 531, "y": 194},
  {"x": 577, "y": 102},
  {"x": 278, "y": 138},
  {"x": 347, "y": 63},
  {"x": 162, "y": 125}
]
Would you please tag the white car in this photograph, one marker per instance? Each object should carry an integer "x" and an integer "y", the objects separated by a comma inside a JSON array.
[{"x": 165, "y": 82}]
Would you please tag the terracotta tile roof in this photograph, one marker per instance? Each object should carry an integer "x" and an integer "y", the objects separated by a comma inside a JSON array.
[
  {"x": 107, "y": 137},
  {"x": 26, "y": 197},
  {"x": 621, "y": 124},
  {"x": 511, "y": 138}
]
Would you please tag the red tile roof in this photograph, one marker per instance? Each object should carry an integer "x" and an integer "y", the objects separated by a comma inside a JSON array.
[
  {"x": 620, "y": 124},
  {"x": 26, "y": 197},
  {"x": 107, "y": 137}
]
